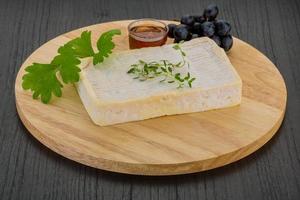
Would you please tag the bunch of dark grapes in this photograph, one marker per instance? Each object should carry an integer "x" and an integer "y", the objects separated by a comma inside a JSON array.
[{"x": 194, "y": 26}]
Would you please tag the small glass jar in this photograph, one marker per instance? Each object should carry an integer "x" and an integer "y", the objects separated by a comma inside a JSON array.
[{"x": 147, "y": 33}]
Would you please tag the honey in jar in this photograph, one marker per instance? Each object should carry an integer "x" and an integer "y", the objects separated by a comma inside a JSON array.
[{"x": 147, "y": 33}]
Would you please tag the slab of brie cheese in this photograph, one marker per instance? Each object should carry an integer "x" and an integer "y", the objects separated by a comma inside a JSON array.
[{"x": 112, "y": 96}]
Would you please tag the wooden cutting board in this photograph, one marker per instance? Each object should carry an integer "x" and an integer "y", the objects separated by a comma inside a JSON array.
[{"x": 162, "y": 146}]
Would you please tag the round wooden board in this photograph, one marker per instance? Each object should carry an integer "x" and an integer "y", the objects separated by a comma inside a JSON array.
[{"x": 162, "y": 146}]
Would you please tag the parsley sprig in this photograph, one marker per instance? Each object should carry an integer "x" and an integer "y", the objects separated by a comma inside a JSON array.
[
  {"x": 42, "y": 79},
  {"x": 163, "y": 68}
]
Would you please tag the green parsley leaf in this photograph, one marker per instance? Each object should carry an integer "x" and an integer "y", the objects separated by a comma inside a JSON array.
[
  {"x": 105, "y": 45},
  {"x": 42, "y": 81},
  {"x": 68, "y": 67},
  {"x": 81, "y": 46}
]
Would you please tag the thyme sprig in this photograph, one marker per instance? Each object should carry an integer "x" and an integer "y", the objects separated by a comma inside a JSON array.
[{"x": 163, "y": 68}]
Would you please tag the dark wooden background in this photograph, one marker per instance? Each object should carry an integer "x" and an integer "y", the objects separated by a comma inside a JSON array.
[{"x": 28, "y": 170}]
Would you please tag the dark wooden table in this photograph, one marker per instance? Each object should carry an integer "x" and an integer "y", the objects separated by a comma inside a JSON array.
[{"x": 28, "y": 170}]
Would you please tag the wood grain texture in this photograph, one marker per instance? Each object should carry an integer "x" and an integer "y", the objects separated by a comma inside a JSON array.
[
  {"x": 30, "y": 171},
  {"x": 185, "y": 143}
]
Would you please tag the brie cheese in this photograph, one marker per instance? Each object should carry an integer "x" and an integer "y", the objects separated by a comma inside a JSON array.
[{"x": 112, "y": 96}]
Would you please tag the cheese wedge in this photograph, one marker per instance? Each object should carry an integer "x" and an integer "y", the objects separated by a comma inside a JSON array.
[{"x": 112, "y": 96}]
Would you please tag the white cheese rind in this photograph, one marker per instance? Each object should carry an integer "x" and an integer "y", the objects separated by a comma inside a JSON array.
[{"x": 126, "y": 104}]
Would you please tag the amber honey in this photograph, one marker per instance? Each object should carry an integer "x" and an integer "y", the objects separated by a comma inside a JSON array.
[{"x": 147, "y": 33}]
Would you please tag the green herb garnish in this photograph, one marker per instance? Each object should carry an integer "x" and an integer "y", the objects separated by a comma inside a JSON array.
[
  {"x": 105, "y": 45},
  {"x": 163, "y": 68},
  {"x": 42, "y": 79}
]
